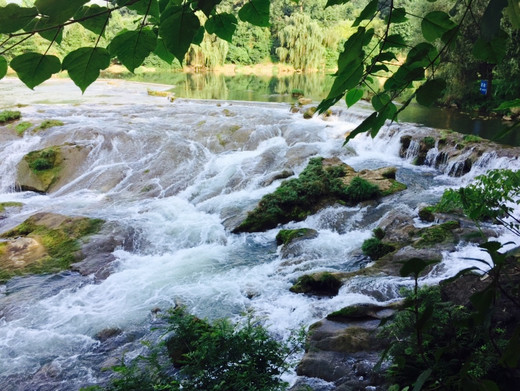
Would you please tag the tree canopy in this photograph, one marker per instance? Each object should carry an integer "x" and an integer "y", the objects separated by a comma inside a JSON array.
[{"x": 379, "y": 46}]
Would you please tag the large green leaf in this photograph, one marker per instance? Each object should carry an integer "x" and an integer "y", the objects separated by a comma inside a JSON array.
[
  {"x": 435, "y": 24},
  {"x": 132, "y": 47},
  {"x": 13, "y": 17},
  {"x": 403, "y": 77},
  {"x": 223, "y": 25},
  {"x": 207, "y": 6},
  {"x": 393, "y": 41},
  {"x": 162, "y": 52},
  {"x": 353, "y": 96},
  {"x": 367, "y": 13},
  {"x": 50, "y": 31},
  {"x": 3, "y": 67},
  {"x": 347, "y": 79},
  {"x": 490, "y": 22},
  {"x": 178, "y": 28},
  {"x": 398, "y": 16},
  {"x": 336, "y": 2},
  {"x": 422, "y": 55},
  {"x": 86, "y": 18},
  {"x": 34, "y": 68},
  {"x": 352, "y": 49},
  {"x": 142, "y": 7},
  {"x": 59, "y": 11},
  {"x": 255, "y": 12},
  {"x": 430, "y": 91},
  {"x": 84, "y": 64},
  {"x": 415, "y": 266}
]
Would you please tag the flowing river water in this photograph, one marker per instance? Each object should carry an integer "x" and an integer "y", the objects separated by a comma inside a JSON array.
[{"x": 181, "y": 175}]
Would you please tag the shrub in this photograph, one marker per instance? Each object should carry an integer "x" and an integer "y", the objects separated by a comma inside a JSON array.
[
  {"x": 375, "y": 248},
  {"x": 362, "y": 190},
  {"x": 8, "y": 116}
]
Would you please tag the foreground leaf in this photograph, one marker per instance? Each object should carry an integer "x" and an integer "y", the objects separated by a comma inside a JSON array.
[
  {"x": 162, "y": 52},
  {"x": 84, "y": 64},
  {"x": 353, "y": 96},
  {"x": 95, "y": 24},
  {"x": 50, "y": 32},
  {"x": 223, "y": 25},
  {"x": 3, "y": 67},
  {"x": 34, "y": 68},
  {"x": 368, "y": 12},
  {"x": 435, "y": 24},
  {"x": 430, "y": 91},
  {"x": 490, "y": 22},
  {"x": 178, "y": 28},
  {"x": 59, "y": 11},
  {"x": 255, "y": 12},
  {"x": 132, "y": 47},
  {"x": 14, "y": 18},
  {"x": 207, "y": 6},
  {"x": 143, "y": 7}
]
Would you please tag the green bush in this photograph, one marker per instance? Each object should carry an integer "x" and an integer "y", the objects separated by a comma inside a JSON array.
[
  {"x": 8, "y": 115},
  {"x": 375, "y": 248},
  {"x": 212, "y": 357},
  {"x": 362, "y": 190}
]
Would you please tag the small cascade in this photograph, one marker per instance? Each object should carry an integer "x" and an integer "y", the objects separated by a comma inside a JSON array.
[{"x": 412, "y": 151}]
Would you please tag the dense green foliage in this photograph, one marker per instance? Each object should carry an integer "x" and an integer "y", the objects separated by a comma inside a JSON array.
[
  {"x": 375, "y": 248},
  {"x": 218, "y": 356},
  {"x": 9, "y": 115},
  {"x": 297, "y": 198}
]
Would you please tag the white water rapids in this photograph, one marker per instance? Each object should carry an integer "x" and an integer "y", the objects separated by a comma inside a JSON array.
[{"x": 181, "y": 175}]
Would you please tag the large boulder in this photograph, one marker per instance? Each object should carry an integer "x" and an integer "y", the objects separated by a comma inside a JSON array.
[{"x": 47, "y": 170}]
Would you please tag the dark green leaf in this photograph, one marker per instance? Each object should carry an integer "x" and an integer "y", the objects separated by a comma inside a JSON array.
[
  {"x": 378, "y": 67},
  {"x": 162, "y": 52},
  {"x": 199, "y": 36},
  {"x": 422, "y": 379},
  {"x": 380, "y": 101},
  {"x": 223, "y": 25},
  {"x": 142, "y": 7},
  {"x": 386, "y": 56},
  {"x": 3, "y": 67},
  {"x": 368, "y": 12},
  {"x": 352, "y": 49},
  {"x": 34, "y": 68},
  {"x": 91, "y": 22},
  {"x": 207, "y": 6},
  {"x": 84, "y": 64},
  {"x": 490, "y": 22},
  {"x": 353, "y": 96},
  {"x": 403, "y": 78},
  {"x": 393, "y": 41},
  {"x": 491, "y": 51},
  {"x": 430, "y": 91},
  {"x": 421, "y": 55},
  {"x": 364, "y": 127},
  {"x": 336, "y": 2},
  {"x": 255, "y": 12},
  {"x": 414, "y": 267},
  {"x": 49, "y": 29},
  {"x": 59, "y": 11},
  {"x": 483, "y": 302},
  {"x": 348, "y": 79},
  {"x": 509, "y": 104},
  {"x": 435, "y": 24},
  {"x": 178, "y": 29},
  {"x": 511, "y": 355},
  {"x": 398, "y": 16},
  {"x": 132, "y": 47},
  {"x": 14, "y": 18}
]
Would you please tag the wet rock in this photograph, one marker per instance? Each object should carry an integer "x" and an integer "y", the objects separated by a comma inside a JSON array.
[
  {"x": 49, "y": 169},
  {"x": 291, "y": 239},
  {"x": 276, "y": 176},
  {"x": 106, "y": 334},
  {"x": 320, "y": 284}
]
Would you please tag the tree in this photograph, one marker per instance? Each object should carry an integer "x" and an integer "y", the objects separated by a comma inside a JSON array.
[{"x": 168, "y": 28}]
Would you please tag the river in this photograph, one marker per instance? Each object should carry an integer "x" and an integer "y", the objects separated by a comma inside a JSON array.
[{"x": 179, "y": 174}]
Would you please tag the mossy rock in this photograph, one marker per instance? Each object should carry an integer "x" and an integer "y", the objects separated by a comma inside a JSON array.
[
  {"x": 44, "y": 243},
  {"x": 9, "y": 116},
  {"x": 48, "y": 169},
  {"x": 9, "y": 204},
  {"x": 286, "y": 236},
  {"x": 361, "y": 312},
  {"x": 309, "y": 112},
  {"x": 50, "y": 123},
  {"x": 323, "y": 182},
  {"x": 426, "y": 214},
  {"x": 321, "y": 284},
  {"x": 437, "y": 234}
]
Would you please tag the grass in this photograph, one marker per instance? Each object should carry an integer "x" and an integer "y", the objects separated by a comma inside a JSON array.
[
  {"x": 8, "y": 116},
  {"x": 22, "y": 127},
  {"x": 50, "y": 123}
]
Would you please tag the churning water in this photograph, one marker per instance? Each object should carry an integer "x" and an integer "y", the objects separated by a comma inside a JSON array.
[{"x": 181, "y": 175}]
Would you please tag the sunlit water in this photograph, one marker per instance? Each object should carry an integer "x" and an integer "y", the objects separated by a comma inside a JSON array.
[{"x": 181, "y": 175}]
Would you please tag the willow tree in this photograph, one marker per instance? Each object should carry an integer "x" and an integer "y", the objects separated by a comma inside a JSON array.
[
  {"x": 301, "y": 43},
  {"x": 211, "y": 52}
]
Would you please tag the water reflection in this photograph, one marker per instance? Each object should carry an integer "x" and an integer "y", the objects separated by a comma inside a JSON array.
[{"x": 315, "y": 86}]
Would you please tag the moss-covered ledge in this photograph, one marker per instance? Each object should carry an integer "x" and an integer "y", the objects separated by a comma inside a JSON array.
[
  {"x": 323, "y": 182},
  {"x": 44, "y": 243}
]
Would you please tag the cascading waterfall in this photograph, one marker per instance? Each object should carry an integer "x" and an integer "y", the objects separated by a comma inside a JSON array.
[{"x": 181, "y": 175}]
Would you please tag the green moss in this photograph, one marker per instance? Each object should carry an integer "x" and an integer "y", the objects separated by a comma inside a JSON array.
[
  {"x": 319, "y": 284},
  {"x": 61, "y": 244},
  {"x": 22, "y": 127},
  {"x": 297, "y": 198},
  {"x": 9, "y": 204},
  {"x": 394, "y": 188},
  {"x": 426, "y": 214},
  {"x": 8, "y": 116},
  {"x": 286, "y": 236},
  {"x": 309, "y": 112},
  {"x": 42, "y": 160},
  {"x": 49, "y": 123},
  {"x": 471, "y": 138},
  {"x": 429, "y": 142},
  {"x": 437, "y": 234},
  {"x": 375, "y": 248}
]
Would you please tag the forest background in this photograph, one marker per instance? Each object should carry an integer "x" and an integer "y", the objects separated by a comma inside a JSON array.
[{"x": 307, "y": 36}]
